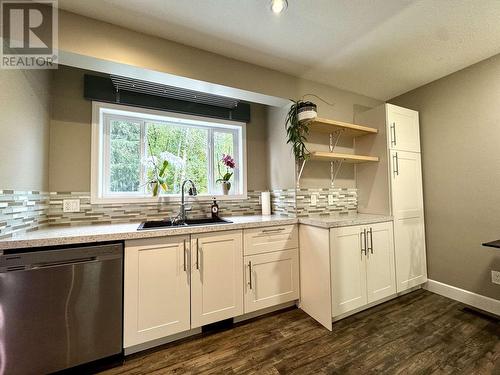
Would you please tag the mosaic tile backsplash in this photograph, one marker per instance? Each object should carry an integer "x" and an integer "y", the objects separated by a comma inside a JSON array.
[
  {"x": 24, "y": 211},
  {"x": 283, "y": 202},
  {"x": 134, "y": 212},
  {"x": 344, "y": 201}
]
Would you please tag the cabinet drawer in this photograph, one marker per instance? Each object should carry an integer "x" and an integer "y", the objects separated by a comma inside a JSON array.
[{"x": 268, "y": 239}]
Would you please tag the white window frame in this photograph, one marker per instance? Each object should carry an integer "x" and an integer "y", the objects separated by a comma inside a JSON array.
[{"x": 99, "y": 166}]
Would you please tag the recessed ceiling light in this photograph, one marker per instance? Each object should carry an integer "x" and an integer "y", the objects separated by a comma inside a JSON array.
[{"x": 278, "y": 6}]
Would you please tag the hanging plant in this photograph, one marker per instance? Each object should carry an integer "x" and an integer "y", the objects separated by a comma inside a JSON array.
[{"x": 297, "y": 127}]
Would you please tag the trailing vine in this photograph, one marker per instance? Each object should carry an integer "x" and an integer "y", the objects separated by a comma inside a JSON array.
[{"x": 297, "y": 132}]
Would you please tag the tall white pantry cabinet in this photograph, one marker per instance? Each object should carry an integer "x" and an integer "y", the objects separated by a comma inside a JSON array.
[{"x": 394, "y": 185}]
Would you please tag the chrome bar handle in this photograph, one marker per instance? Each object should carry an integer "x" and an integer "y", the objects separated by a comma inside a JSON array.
[
  {"x": 370, "y": 248},
  {"x": 185, "y": 261},
  {"x": 250, "y": 269},
  {"x": 70, "y": 262},
  {"x": 395, "y": 162},
  {"x": 273, "y": 230},
  {"x": 366, "y": 241},
  {"x": 362, "y": 239},
  {"x": 393, "y": 134},
  {"x": 197, "y": 255}
]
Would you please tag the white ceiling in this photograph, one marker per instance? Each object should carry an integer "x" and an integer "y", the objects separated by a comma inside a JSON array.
[{"x": 379, "y": 48}]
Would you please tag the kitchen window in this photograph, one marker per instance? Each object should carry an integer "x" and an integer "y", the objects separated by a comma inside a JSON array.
[{"x": 126, "y": 140}]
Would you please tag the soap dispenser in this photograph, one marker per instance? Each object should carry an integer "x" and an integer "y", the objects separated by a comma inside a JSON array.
[{"x": 215, "y": 210}]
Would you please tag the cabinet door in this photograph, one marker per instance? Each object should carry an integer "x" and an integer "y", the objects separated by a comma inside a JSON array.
[
  {"x": 408, "y": 212},
  {"x": 271, "y": 279},
  {"x": 403, "y": 129},
  {"x": 216, "y": 277},
  {"x": 380, "y": 269},
  {"x": 156, "y": 289},
  {"x": 315, "y": 273},
  {"x": 348, "y": 269}
]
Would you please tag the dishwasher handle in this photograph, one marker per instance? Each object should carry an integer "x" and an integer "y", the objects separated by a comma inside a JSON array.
[
  {"x": 69, "y": 262},
  {"x": 45, "y": 258}
]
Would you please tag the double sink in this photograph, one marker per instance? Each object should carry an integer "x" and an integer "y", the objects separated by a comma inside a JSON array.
[
  {"x": 158, "y": 224},
  {"x": 184, "y": 222}
]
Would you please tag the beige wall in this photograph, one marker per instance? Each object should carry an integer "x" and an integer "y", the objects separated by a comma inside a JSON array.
[
  {"x": 257, "y": 159},
  {"x": 70, "y": 133},
  {"x": 105, "y": 41},
  {"x": 315, "y": 174},
  {"x": 109, "y": 42},
  {"x": 70, "y": 136},
  {"x": 101, "y": 40},
  {"x": 24, "y": 129},
  {"x": 281, "y": 166},
  {"x": 460, "y": 136}
]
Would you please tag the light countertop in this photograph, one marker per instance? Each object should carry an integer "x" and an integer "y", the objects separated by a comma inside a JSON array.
[
  {"x": 344, "y": 221},
  {"x": 54, "y": 236}
]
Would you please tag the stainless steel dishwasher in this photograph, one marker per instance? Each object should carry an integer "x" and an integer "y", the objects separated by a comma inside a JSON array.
[{"x": 59, "y": 307}]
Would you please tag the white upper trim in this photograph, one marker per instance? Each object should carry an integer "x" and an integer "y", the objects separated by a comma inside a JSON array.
[{"x": 112, "y": 67}]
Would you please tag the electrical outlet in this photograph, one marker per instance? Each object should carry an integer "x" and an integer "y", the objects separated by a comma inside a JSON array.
[
  {"x": 314, "y": 199},
  {"x": 330, "y": 199},
  {"x": 495, "y": 277},
  {"x": 71, "y": 205}
]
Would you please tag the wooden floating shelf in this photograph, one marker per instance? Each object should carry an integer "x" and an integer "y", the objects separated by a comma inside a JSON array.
[
  {"x": 346, "y": 158},
  {"x": 322, "y": 125}
]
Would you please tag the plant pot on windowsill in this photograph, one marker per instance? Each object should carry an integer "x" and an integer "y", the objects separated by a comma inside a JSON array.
[
  {"x": 226, "y": 186},
  {"x": 155, "y": 188},
  {"x": 228, "y": 162}
]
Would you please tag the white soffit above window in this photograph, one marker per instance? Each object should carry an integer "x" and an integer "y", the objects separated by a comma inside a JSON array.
[{"x": 161, "y": 78}]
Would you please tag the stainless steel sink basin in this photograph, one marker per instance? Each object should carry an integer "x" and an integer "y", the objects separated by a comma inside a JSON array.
[{"x": 158, "y": 224}]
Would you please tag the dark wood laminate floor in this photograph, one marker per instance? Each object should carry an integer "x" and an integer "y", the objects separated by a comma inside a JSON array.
[{"x": 419, "y": 333}]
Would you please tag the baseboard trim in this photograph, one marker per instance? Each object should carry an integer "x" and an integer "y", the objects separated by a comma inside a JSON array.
[
  {"x": 461, "y": 295},
  {"x": 264, "y": 311},
  {"x": 161, "y": 341}
]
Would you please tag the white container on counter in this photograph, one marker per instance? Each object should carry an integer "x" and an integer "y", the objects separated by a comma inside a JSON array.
[{"x": 265, "y": 201}]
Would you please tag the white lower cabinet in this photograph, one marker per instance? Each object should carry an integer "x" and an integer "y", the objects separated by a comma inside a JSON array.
[
  {"x": 362, "y": 266},
  {"x": 217, "y": 277},
  {"x": 380, "y": 268},
  {"x": 156, "y": 289},
  {"x": 174, "y": 284},
  {"x": 271, "y": 279},
  {"x": 348, "y": 269}
]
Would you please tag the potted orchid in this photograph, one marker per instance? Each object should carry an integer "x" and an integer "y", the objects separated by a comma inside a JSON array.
[
  {"x": 156, "y": 174},
  {"x": 228, "y": 162},
  {"x": 157, "y": 166}
]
